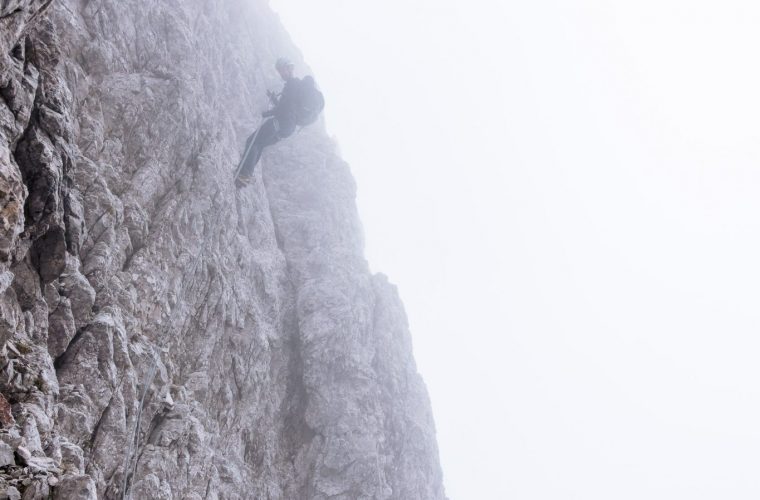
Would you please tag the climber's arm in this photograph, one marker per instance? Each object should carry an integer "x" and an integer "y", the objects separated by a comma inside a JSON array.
[{"x": 274, "y": 99}]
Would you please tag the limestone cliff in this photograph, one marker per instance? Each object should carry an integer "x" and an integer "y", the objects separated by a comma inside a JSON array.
[{"x": 162, "y": 335}]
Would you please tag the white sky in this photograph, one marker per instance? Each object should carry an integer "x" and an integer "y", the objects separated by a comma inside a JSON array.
[{"x": 567, "y": 193}]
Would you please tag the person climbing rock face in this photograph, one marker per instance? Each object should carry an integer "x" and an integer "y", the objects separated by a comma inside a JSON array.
[{"x": 299, "y": 104}]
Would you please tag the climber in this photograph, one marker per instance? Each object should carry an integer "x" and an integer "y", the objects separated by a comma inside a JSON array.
[{"x": 299, "y": 104}]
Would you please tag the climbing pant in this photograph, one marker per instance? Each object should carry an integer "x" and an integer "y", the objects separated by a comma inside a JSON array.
[{"x": 270, "y": 132}]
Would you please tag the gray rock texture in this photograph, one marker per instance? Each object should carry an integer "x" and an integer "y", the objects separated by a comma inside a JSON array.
[{"x": 161, "y": 334}]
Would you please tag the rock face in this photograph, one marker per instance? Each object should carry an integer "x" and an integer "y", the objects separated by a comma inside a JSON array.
[{"x": 162, "y": 335}]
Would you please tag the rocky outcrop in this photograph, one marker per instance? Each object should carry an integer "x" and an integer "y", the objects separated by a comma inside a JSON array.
[{"x": 162, "y": 335}]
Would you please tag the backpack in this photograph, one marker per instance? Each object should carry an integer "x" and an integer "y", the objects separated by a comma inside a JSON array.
[{"x": 311, "y": 102}]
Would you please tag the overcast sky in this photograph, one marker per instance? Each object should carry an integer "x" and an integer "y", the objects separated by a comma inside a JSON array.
[{"x": 567, "y": 193}]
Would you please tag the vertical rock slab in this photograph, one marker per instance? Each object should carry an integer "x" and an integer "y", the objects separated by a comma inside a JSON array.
[
  {"x": 163, "y": 335},
  {"x": 373, "y": 432}
]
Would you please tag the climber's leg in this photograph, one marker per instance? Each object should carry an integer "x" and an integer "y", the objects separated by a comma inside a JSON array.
[{"x": 265, "y": 136}]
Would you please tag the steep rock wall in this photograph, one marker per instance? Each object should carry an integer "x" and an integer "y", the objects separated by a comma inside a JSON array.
[{"x": 164, "y": 336}]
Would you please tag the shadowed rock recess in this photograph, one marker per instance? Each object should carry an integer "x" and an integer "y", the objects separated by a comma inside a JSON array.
[{"x": 163, "y": 336}]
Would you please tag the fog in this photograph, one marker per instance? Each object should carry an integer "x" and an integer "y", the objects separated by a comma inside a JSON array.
[{"x": 566, "y": 193}]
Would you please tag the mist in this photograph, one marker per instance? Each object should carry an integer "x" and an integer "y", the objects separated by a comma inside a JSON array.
[{"x": 566, "y": 195}]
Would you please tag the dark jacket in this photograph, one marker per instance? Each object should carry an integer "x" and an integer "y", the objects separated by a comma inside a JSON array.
[{"x": 286, "y": 109}]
